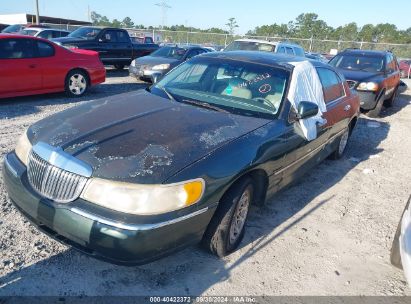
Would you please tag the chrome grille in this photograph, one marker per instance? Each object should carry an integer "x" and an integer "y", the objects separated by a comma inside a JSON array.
[
  {"x": 52, "y": 182},
  {"x": 352, "y": 84}
]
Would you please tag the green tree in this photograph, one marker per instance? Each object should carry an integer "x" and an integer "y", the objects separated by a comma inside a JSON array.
[
  {"x": 232, "y": 25},
  {"x": 127, "y": 23}
]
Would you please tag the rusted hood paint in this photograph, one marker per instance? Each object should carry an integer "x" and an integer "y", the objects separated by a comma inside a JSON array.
[{"x": 139, "y": 137}]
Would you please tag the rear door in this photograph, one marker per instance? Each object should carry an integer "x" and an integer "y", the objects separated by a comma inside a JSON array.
[{"x": 19, "y": 71}]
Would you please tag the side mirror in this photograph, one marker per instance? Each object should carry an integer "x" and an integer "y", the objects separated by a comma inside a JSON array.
[
  {"x": 156, "y": 77},
  {"x": 307, "y": 109}
]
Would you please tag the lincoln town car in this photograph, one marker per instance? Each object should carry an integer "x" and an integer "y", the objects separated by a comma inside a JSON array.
[{"x": 134, "y": 177}]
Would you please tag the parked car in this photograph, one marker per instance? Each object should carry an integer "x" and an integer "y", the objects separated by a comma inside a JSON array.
[
  {"x": 405, "y": 68},
  {"x": 13, "y": 28},
  {"x": 266, "y": 46},
  {"x": 401, "y": 247},
  {"x": 31, "y": 65},
  {"x": 46, "y": 33},
  {"x": 158, "y": 63},
  {"x": 114, "y": 45},
  {"x": 375, "y": 75},
  {"x": 316, "y": 56},
  {"x": 143, "y": 40},
  {"x": 136, "y": 177}
]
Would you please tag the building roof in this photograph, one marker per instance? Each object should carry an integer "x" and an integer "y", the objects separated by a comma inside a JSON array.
[{"x": 24, "y": 18}]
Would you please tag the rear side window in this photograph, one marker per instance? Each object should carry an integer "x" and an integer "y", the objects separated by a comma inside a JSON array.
[
  {"x": 45, "y": 49},
  {"x": 149, "y": 40},
  {"x": 299, "y": 52},
  {"x": 46, "y": 34},
  {"x": 122, "y": 37},
  {"x": 281, "y": 50},
  {"x": 332, "y": 84},
  {"x": 16, "y": 48}
]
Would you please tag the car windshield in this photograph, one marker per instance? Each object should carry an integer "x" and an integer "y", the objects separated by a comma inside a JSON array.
[
  {"x": 250, "y": 46},
  {"x": 232, "y": 86},
  {"x": 29, "y": 32},
  {"x": 358, "y": 62},
  {"x": 170, "y": 52},
  {"x": 12, "y": 28},
  {"x": 88, "y": 33}
]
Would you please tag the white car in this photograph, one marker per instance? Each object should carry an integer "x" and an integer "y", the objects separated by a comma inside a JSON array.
[
  {"x": 46, "y": 33},
  {"x": 266, "y": 46}
]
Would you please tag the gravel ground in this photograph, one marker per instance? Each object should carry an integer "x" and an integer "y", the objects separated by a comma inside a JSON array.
[{"x": 330, "y": 234}]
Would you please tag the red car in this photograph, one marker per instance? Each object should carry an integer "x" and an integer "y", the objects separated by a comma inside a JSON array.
[
  {"x": 405, "y": 68},
  {"x": 32, "y": 65}
]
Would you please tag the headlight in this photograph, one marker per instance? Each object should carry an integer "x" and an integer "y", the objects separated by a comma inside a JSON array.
[
  {"x": 133, "y": 63},
  {"x": 23, "y": 148},
  {"x": 143, "y": 199},
  {"x": 164, "y": 66},
  {"x": 368, "y": 86}
]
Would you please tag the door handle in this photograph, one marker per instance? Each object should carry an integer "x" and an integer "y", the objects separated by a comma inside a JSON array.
[{"x": 347, "y": 108}]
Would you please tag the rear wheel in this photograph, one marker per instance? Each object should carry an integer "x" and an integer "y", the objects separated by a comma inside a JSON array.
[
  {"x": 76, "y": 83},
  {"x": 342, "y": 145},
  {"x": 119, "y": 66},
  {"x": 226, "y": 229}
]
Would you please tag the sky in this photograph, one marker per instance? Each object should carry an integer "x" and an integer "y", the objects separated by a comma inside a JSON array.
[{"x": 215, "y": 13}]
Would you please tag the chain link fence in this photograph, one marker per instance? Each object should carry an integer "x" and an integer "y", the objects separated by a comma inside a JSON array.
[{"x": 219, "y": 41}]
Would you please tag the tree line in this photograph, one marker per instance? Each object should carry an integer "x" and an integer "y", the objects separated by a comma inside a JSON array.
[{"x": 305, "y": 26}]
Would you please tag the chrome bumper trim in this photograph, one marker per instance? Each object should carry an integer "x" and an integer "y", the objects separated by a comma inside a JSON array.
[{"x": 136, "y": 227}]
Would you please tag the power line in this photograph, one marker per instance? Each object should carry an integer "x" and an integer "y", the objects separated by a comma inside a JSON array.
[{"x": 164, "y": 7}]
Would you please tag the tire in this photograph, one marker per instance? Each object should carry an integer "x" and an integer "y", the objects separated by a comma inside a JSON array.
[
  {"x": 76, "y": 83},
  {"x": 226, "y": 228},
  {"x": 374, "y": 113},
  {"x": 119, "y": 66},
  {"x": 342, "y": 145},
  {"x": 390, "y": 102}
]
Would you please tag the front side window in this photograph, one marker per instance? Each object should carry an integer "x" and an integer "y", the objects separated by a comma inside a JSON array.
[
  {"x": 289, "y": 50},
  {"x": 16, "y": 48},
  {"x": 46, "y": 34},
  {"x": 250, "y": 46},
  {"x": 332, "y": 85},
  {"x": 237, "y": 87},
  {"x": 358, "y": 62}
]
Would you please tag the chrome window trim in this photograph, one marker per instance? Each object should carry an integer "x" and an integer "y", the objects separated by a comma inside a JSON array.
[
  {"x": 136, "y": 227},
  {"x": 62, "y": 160}
]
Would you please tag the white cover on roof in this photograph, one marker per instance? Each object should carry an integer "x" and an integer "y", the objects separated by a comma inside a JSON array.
[{"x": 306, "y": 86}]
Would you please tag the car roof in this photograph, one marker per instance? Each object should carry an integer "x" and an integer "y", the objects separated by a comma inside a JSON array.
[
  {"x": 267, "y": 58},
  {"x": 269, "y": 42},
  {"x": 364, "y": 52}
]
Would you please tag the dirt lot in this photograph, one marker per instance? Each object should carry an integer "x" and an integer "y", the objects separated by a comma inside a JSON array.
[{"x": 328, "y": 235}]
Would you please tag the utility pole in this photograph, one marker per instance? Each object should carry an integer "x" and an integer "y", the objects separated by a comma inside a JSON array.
[
  {"x": 88, "y": 14},
  {"x": 164, "y": 7},
  {"x": 37, "y": 12}
]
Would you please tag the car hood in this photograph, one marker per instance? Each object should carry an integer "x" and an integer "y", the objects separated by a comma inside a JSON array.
[
  {"x": 359, "y": 75},
  {"x": 140, "y": 137},
  {"x": 151, "y": 60}
]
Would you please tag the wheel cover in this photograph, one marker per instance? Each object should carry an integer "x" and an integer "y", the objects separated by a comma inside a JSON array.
[
  {"x": 343, "y": 142},
  {"x": 240, "y": 216},
  {"x": 77, "y": 84}
]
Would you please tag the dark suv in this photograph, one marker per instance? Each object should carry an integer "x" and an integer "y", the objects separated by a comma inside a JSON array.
[{"x": 375, "y": 75}]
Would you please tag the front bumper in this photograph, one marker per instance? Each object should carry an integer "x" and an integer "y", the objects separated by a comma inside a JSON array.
[
  {"x": 369, "y": 100},
  {"x": 145, "y": 73},
  {"x": 93, "y": 231}
]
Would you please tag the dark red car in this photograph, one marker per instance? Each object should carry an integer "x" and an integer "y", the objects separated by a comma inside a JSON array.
[
  {"x": 405, "y": 68},
  {"x": 32, "y": 65}
]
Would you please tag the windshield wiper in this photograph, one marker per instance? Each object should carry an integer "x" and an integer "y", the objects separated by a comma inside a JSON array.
[
  {"x": 204, "y": 105},
  {"x": 171, "y": 97}
]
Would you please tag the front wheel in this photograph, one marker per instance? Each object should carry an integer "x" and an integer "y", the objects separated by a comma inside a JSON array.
[
  {"x": 76, "y": 83},
  {"x": 342, "y": 145},
  {"x": 226, "y": 229},
  {"x": 390, "y": 102},
  {"x": 374, "y": 113}
]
